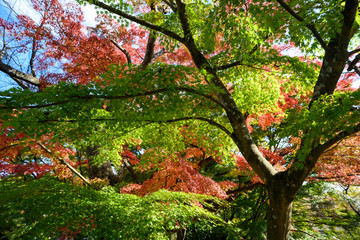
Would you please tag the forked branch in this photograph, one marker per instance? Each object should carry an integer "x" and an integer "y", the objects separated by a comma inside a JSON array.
[
  {"x": 123, "y": 50},
  {"x": 310, "y": 26}
]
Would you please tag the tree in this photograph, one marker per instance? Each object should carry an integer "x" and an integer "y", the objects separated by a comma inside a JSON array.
[{"x": 238, "y": 73}]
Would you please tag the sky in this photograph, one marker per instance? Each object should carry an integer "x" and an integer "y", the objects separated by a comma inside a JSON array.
[
  {"x": 9, "y": 9},
  {"x": 24, "y": 7}
]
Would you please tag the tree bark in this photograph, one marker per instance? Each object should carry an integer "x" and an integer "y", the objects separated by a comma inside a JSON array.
[
  {"x": 181, "y": 234},
  {"x": 103, "y": 171},
  {"x": 279, "y": 210},
  {"x": 131, "y": 171},
  {"x": 278, "y": 219}
]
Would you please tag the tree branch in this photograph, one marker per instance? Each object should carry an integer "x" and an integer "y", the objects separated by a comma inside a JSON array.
[
  {"x": 131, "y": 171},
  {"x": 159, "y": 53},
  {"x": 298, "y": 174},
  {"x": 65, "y": 163},
  {"x": 9, "y": 146},
  {"x": 33, "y": 53},
  {"x": 354, "y": 51},
  {"x": 353, "y": 63},
  {"x": 211, "y": 122},
  {"x": 20, "y": 83},
  {"x": 149, "y": 54},
  {"x": 12, "y": 72},
  {"x": 241, "y": 134},
  {"x": 171, "y": 4},
  {"x": 126, "y": 96},
  {"x": 237, "y": 63},
  {"x": 123, "y": 50},
  {"x": 245, "y": 188},
  {"x": 336, "y": 55},
  {"x": 338, "y": 138},
  {"x": 310, "y": 26},
  {"x": 136, "y": 19}
]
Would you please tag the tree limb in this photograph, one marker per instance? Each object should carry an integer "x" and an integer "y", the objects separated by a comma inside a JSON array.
[
  {"x": 12, "y": 72},
  {"x": 211, "y": 122},
  {"x": 354, "y": 51},
  {"x": 33, "y": 53},
  {"x": 126, "y": 96},
  {"x": 20, "y": 83},
  {"x": 204, "y": 119},
  {"x": 136, "y": 19},
  {"x": 310, "y": 26},
  {"x": 159, "y": 53},
  {"x": 298, "y": 174},
  {"x": 336, "y": 55},
  {"x": 149, "y": 54},
  {"x": 123, "y": 50},
  {"x": 353, "y": 62},
  {"x": 65, "y": 163},
  {"x": 338, "y": 138},
  {"x": 245, "y": 188},
  {"x": 131, "y": 171}
]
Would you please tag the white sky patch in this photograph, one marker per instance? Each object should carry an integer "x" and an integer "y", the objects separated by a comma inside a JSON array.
[
  {"x": 356, "y": 84},
  {"x": 89, "y": 15},
  {"x": 12, "y": 8}
]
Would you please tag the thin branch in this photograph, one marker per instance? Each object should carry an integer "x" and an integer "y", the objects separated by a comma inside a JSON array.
[
  {"x": 335, "y": 177},
  {"x": 354, "y": 51},
  {"x": 65, "y": 163},
  {"x": 9, "y": 146},
  {"x": 338, "y": 138},
  {"x": 310, "y": 26},
  {"x": 229, "y": 65},
  {"x": 136, "y": 19},
  {"x": 159, "y": 53},
  {"x": 123, "y": 50},
  {"x": 245, "y": 188},
  {"x": 211, "y": 122},
  {"x": 171, "y": 4},
  {"x": 126, "y": 96},
  {"x": 297, "y": 230},
  {"x": 33, "y": 54},
  {"x": 237, "y": 63},
  {"x": 354, "y": 209}
]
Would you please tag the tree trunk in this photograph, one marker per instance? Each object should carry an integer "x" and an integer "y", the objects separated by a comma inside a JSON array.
[
  {"x": 280, "y": 206},
  {"x": 278, "y": 219},
  {"x": 181, "y": 234},
  {"x": 103, "y": 171}
]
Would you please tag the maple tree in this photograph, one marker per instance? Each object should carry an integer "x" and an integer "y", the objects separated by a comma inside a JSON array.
[{"x": 220, "y": 68}]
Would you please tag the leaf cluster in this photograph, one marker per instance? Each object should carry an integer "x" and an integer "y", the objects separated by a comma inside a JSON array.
[{"x": 47, "y": 208}]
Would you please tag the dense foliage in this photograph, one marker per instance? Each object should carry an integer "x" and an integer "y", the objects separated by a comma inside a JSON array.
[
  {"x": 214, "y": 98},
  {"x": 47, "y": 208}
]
